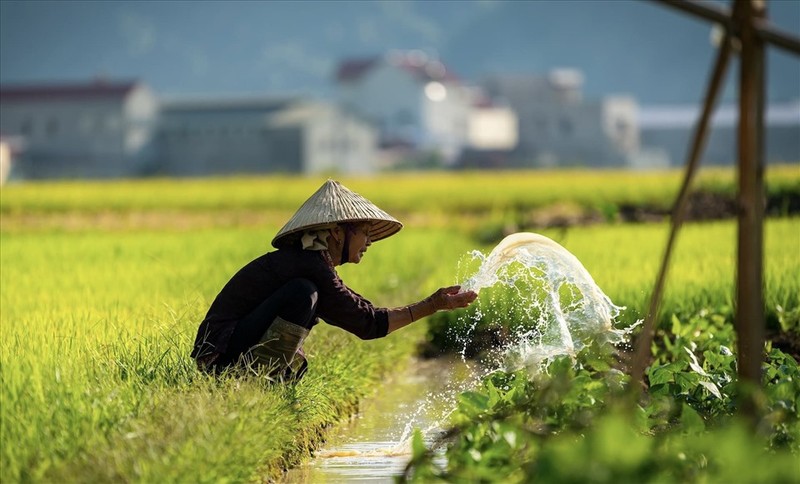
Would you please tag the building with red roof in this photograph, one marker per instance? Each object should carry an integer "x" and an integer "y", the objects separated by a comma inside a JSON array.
[{"x": 414, "y": 100}]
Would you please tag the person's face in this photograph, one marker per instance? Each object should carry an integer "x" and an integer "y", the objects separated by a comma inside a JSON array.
[{"x": 359, "y": 241}]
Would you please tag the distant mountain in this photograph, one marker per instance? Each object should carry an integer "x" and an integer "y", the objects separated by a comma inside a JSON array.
[{"x": 215, "y": 47}]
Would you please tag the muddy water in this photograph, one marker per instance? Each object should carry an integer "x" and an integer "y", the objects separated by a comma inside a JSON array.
[{"x": 374, "y": 446}]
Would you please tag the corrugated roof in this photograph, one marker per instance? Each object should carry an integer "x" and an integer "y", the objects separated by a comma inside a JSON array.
[
  {"x": 217, "y": 104},
  {"x": 59, "y": 91}
]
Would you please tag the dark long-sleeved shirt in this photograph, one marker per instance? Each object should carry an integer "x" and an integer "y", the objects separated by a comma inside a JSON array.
[{"x": 255, "y": 282}]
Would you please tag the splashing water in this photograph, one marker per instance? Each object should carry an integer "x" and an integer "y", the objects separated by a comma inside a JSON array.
[
  {"x": 527, "y": 277},
  {"x": 563, "y": 308}
]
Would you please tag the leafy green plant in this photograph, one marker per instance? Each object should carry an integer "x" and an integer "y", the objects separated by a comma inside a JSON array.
[{"x": 570, "y": 423}]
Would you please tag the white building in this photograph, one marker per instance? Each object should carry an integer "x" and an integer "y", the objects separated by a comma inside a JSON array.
[
  {"x": 557, "y": 127},
  {"x": 90, "y": 130},
  {"x": 259, "y": 135},
  {"x": 10, "y": 148},
  {"x": 671, "y": 128},
  {"x": 414, "y": 100}
]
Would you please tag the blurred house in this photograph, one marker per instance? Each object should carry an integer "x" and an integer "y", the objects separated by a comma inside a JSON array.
[
  {"x": 98, "y": 129},
  {"x": 5, "y": 161},
  {"x": 492, "y": 136},
  {"x": 10, "y": 149},
  {"x": 493, "y": 128},
  {"x": 218, "y": 136},
  {"x": 671, "y": 128},
  {"x": 416, "y": 103},
  {"x": 557, "y": 127}
]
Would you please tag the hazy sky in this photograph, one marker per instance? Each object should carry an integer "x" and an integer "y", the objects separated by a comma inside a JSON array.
[{"x": 209, "y": 45}]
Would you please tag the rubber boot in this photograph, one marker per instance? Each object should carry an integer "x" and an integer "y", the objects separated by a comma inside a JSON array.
[{"x": 278, "y": 347}]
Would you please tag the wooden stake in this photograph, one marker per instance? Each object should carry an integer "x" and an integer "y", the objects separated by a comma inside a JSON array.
[
  {"x": 750, "y": 276},
  {"x": 642, "y": 352}
]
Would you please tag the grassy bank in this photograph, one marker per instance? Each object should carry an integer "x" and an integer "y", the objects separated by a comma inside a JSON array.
[{"x": 96, "y": 380}]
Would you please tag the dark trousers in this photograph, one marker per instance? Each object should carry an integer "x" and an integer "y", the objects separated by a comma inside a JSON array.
[{"x": 295, "y": 302}]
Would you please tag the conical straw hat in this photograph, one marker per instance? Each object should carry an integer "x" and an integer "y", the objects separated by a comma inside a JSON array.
[{"x": 331, "y": 204}]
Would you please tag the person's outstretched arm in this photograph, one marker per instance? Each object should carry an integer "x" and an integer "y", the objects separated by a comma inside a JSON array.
[{"x": 446, "y": 298}]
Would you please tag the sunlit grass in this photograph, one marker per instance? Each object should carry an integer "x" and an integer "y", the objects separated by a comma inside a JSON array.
[
  {"x": 97, "y": 384},
  {"x": 96, "y": 323},
  {"x": 436, "y": 192},
  {"x": 624, "y": 261}
]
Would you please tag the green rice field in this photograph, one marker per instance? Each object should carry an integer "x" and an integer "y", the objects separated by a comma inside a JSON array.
[{"x": 103, "y": 286}]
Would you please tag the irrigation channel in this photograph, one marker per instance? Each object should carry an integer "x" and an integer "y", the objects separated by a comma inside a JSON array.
[
  {"x": 541, "y": 285},
  {"x": 375, "y": 445}
]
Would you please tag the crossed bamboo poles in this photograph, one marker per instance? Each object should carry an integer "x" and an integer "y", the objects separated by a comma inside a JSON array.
[{"x": 746, "y": 24}]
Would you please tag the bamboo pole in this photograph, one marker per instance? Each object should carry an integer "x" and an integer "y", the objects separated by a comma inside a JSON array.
[
  {"x": 750, "y": 278},
  {"x": 721, "y": 15},
  {"x": 708, "y": 11},
  {"x": 642, "y": 351}
]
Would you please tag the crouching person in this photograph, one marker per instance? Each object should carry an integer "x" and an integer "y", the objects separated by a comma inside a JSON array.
[{"x": 262, "y": 316}]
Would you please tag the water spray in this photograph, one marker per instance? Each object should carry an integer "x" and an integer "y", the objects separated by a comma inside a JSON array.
[{"x": 567, "y": 311}]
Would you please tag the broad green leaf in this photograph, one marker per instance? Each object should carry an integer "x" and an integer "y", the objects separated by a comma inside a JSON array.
[
  {"x": 711, "y": 387},
  {"x": 676, "y": 325},
  {"x": 475, "y": 454},
  {"x": 693, "y": 364},
  {"x": 474, "y": 402},
  {"x": 418, "y": 448},
  {"x": 494, "y": 395},
  {"x": 664, "y": 373},
  {"x": 660, "y": 376},
  {"x": 687, "y": 381},
  {"x": 511, "y": 437},
  {"x": 691, "y": 421}
]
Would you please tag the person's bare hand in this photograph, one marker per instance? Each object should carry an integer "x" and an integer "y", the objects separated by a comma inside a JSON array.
[{"x": 450, "y": 298}]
